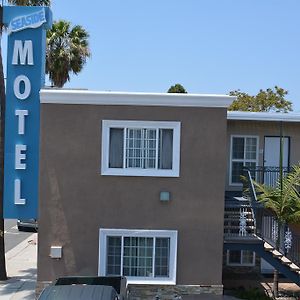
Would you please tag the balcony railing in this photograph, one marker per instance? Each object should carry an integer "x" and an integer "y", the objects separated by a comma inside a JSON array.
[
  {"x": 267, "y": 175},
  {"x": 255, "y": 222}
]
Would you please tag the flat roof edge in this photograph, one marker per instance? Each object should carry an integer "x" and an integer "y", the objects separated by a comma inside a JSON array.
[
  {"x": 57, "y": 96},
  {"x": 263, "y": 116}
]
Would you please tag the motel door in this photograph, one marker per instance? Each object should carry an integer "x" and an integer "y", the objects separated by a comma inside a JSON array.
[{"x": 272, "y": 157}]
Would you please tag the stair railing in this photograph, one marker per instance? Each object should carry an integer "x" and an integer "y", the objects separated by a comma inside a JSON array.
[
  {"x": 250, "y": 194},
  {"x": 266, "y": 226}
]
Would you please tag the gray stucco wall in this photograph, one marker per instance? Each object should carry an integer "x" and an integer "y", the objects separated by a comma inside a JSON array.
[{"x": 75, "y": 200}]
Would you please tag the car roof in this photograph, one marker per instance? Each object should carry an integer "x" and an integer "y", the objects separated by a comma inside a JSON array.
[{"x": 78, "y": 292}]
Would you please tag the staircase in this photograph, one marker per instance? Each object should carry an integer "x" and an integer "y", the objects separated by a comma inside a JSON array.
[
  {"x": 266, "y": 251},
  {"x": 246, "y": 228},
  {"x": 284, "y": 260},
  {"x": 232, "y": 218}
]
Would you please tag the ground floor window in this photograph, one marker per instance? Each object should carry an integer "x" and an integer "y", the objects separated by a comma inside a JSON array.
[
  {"x": 140, "y": 255},
  {"x": 240, "y": 258}
]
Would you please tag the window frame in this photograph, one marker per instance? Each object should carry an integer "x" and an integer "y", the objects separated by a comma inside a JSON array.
[
  {"x": 106, "y": 170},
  {"x": 241, "y": 264},
  {"x": 172, "y": 234},
  {"x": 244, "y": 159}
]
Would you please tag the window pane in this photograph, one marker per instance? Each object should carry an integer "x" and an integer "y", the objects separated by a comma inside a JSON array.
[
  {"x": 251, "y": 148},
  {"x": 252, "y": 167},
  {"x": 247, "y": 257},
  {"x": 162, "y": 257},
  {"x": 113, "y": 266},
  {"x": 116, "y": 147},
  {"x": 138, "y": 256},
  {"x": 140, "y": 148},
  {"x": 165, "y": 154},
  {"x": 238, "y": 148},
  {"x": 149, "y": 148},
  {"x": 234, "y": 256},
  {"x": 237, "y": 171},
  {"x": 134, "y": 148}
]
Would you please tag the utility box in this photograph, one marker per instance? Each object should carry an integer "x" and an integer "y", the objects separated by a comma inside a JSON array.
[{"x": 56, "y": 252}]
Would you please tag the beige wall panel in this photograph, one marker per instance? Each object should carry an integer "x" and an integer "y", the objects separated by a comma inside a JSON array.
[{"x": 262, "y": 129}]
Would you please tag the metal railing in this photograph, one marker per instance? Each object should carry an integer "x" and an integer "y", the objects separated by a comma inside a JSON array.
[
  {"x": 267, "y": 175},
  {"x": 232, "y": 222},
  {"x": 265, "y": 221},
  {"x": 294, "y": 253}
]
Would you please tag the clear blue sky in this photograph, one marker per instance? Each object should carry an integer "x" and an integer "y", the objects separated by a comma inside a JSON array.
[{"x": 209, "y": 46}]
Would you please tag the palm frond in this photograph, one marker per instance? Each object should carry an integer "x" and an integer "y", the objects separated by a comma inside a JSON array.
[
  {"x": 67, "y": 51},
  {"x": 283, "y": 199}
]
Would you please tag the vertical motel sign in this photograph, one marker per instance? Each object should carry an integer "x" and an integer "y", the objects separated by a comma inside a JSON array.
[{"x": 26, "y": 29}]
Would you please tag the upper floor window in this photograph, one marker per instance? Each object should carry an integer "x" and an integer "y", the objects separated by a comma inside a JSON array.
[
  {"x": 244, "y": 153},
  {"x": 140, "y": 148}
]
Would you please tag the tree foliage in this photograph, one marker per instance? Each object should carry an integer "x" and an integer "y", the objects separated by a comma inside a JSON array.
[
  {"x": 177, "y": 88},
  {"x": 269, "y": 100},
  {"x": 67, "y": 51}
]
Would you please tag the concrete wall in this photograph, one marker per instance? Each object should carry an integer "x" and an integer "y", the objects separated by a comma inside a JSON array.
[
  {"x": 75, "y": 200},
  {"x": 262, "y": 129}
]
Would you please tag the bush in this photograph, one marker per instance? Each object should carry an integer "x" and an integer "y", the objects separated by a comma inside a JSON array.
[{"x": 251, "y": 294}]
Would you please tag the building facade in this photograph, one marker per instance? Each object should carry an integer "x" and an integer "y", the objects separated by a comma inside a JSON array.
[{"x": 132, "y": 184}]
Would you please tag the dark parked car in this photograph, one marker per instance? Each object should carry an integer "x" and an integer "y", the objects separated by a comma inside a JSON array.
[
  {"x": 86, "y": 288},
  {"x": 27, "y": 225},
  {"x": 79, "y": 292}
]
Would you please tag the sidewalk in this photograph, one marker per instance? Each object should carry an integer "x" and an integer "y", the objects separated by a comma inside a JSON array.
[{"x": 21, "y": 264}]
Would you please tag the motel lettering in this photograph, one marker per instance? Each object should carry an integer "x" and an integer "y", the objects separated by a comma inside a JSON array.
[{"x": 25, "y": 76}]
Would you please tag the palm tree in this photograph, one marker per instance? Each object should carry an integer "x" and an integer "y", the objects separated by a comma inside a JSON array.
[
  {"x": 3, "y": 274},
  {"x": 283, "y": 201},
  {"x": 66, "y": 52}
]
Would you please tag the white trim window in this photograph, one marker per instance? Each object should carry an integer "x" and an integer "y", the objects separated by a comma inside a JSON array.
[
  {"x": 143, "y": 256},
  {"x": 243, "y": 153},
  {"x": 245, "y": 258},
  {"x": 140, "y": 148}
]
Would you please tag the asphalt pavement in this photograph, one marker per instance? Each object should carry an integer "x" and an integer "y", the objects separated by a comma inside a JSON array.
[
  {"x": 12, "y": 236},
  {"x": 208, "y": 297}
]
